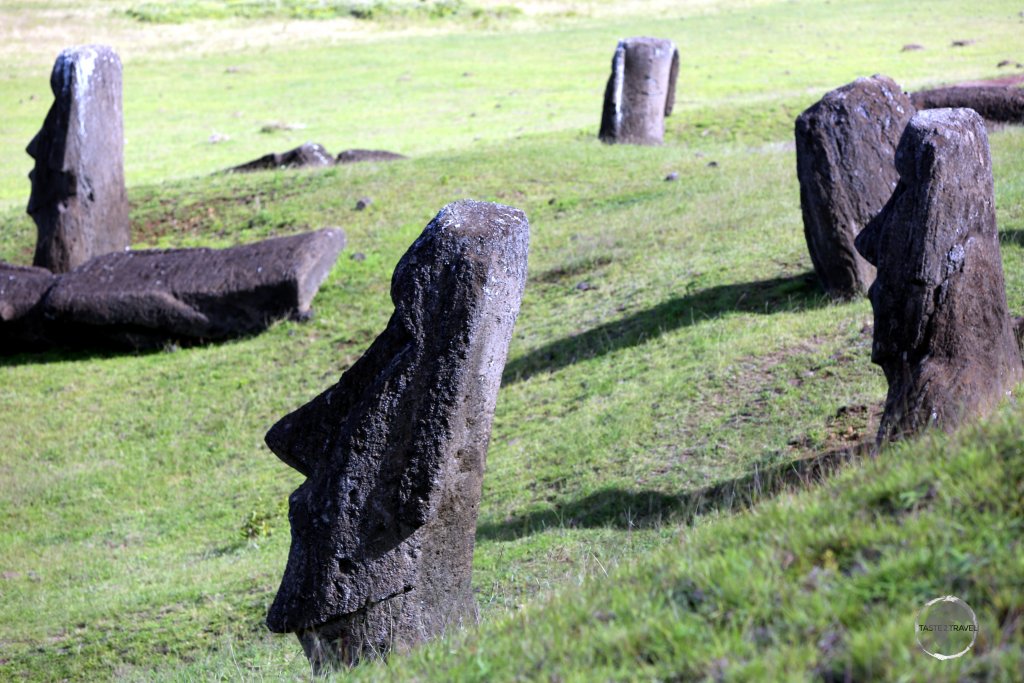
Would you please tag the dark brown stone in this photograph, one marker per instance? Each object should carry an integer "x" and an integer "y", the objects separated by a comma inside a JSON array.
[
  {"x": 22, "y": 289},
  {"x": 845, "y": 145},
  {"x": 1001, "y": 104},
  {"x": 641, "y": 91},
  {"x": 145, "y": 299},
  {"x": 78, "y": 199},
  {"x": 352, "y": 156},
  {"x": 383, "y": 527},
  {"x": 942, "y": 331},
  {"x": 309, "y": 155}
]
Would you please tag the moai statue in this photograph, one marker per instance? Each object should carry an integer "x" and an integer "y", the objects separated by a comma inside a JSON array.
[
  {"x": 943, "y": 333},
  {"x": 641, "y": 91},
  {"x": 384, "y": 525},
  {"x": 78, "y": 198},
  {"x": 845, "y": 149}
]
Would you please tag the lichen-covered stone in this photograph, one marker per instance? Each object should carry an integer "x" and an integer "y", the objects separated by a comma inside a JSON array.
[
  {"x": 383, "y": 527},
  {"x": 845, "y": 149},
  {"x": 78, "y": 199},
  {"x": 942, "y": 332},
  {"x": 641, "y": 91}
]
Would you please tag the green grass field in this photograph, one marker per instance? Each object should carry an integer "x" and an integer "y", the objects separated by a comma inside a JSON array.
[{"x": 643, "y": 517}]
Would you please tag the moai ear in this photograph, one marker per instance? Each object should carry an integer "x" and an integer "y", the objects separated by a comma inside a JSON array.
[{"x": 670, "y": 98}]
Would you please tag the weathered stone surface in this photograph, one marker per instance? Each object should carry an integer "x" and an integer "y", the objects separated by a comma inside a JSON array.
[
  {"x": 309, "y": 155},
  {"x": 943, "y": 334},
  {"x": 352, "y": 156},
  {"x": 641, "y": 91},
  {"x": 145, "y": 299},
  {"x": 383, "y": 527},
  {"x": 845, "y": 145},
  {"x": 1002, "y": 104},
  {"x": 22, "y": 289},
  {"x": 78, "y": 198}
]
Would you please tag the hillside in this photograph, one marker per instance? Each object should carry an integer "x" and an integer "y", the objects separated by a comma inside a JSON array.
[{"x": 661, "y": 501}]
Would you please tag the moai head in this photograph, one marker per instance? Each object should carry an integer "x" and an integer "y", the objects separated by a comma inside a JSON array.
[
  {"x": 641, "y": 91},
  {"x": 383, "y": 527}
]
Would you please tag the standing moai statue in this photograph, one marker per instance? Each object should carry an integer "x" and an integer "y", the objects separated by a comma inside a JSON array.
[
  {"x": 384, "y": 525},
  {"x": 943, "y": 333},
  {"x": 78, "y": 198},
  {"x": 845, "y": 150},
  {"x": 641, "y": 91}
]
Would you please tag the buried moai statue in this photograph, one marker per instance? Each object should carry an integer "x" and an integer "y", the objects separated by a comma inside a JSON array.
[
  {"x": 641, "y": 91},
  {"x": 383, "y": 527},
  {"x": 942, "y": 333},
  {"x": 845, "y": 149},
  {"x": 78, "y": 198}
]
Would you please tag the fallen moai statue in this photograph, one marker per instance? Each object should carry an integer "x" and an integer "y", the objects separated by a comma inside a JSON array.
[
  {"x": 352, "y": 156},
  {"x": 78, "y": 199},
  {"x": 148, "y": 298},
  {"x": 641, "y": 91},
  {"x": 309, "y": 155},
  {"x": 942, "y": 331},
  {"x": 845, "y": 150},
  {"x": 383, "y": 527},
  {"x": 998, "y": 103}
]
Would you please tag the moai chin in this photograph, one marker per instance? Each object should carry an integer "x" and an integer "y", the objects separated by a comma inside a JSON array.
[
  {"x": 845, "y": 162},
  {"x": 641, "y": 91},
  {"x": 943, "y": 333},
  {"x": 383, "y": 527},
  {"x": 78, "y": 198}
]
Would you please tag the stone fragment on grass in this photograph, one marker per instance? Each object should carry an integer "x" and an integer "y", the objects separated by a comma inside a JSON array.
[
  {"x": 22, "y": 290},
  {"x": 942, "y": 330},
  {"x": 309, "y": 155},
  {"x": 641, "y": 91},
  {"x": 997, "y": 103},
  {"x": 383, "y": 527},
  {"x": 146, "y": 299},
  {"x": 78, "y": 199},
  {"x": 352, "y": 156},
  {"x": 845, "y": 145}
]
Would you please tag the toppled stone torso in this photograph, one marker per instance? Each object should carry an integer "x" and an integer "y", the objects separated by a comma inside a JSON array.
[
  {"x": 22, "y": 290},
  {"x": 942, "y": 332},
  {"x": 1001, "y": 104},
  {"x": 145, "y": 299},
  {"x": 309, "y": 155},
  {"x": 845, "y": 150},
  {"x": 641, "y": 91},
  {"x": 78, "y": 199},
  {"x": 383, "y": 527}
]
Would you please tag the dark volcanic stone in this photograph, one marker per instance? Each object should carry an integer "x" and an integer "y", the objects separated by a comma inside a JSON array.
[
  {"x": 943, "y": 334},
  {"x": 309, "y": 155},
  {"x": 1002, "y": 104},
  {"x": 78, "y": 198},
  {"x": 352, "y": 156},
  {"x": 641, "y": 91},
  {"x": 22, "y": 289},
  {"x": 384, "y": 525},
  {"x": 144, "y": 299},
  {"x": 845, "y": 146}
]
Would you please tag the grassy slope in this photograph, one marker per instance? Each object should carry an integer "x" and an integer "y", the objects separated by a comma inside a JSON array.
[{"x": 701, "y": 354}]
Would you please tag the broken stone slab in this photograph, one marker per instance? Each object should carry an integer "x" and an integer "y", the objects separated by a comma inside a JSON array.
[
  {"x": 1001, "y": 104},
  {"x": 146, "y": 299},
  {"x": 309, "y": 155},
  {"x": 78, "y": 198},
  {"x": 641, "y": 91},
  {"x": 22, "y": 289},
  {"x": 942, "y": 330},
  {"x": 352, "y": 156},
  {"x": 845, "y": 150},
  {"x": 383, "y": 527}
]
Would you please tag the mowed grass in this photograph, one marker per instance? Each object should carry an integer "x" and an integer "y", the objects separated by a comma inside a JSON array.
[{"x": 672, "y": 357}]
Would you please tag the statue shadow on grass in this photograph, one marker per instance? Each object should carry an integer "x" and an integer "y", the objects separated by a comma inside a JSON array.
[
  {"x": 781, "y": 294},
  {"x": 624, "y": 509}
]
